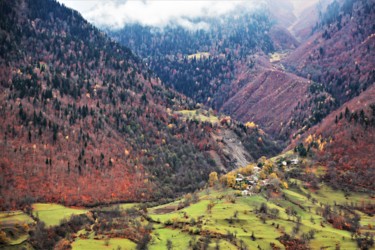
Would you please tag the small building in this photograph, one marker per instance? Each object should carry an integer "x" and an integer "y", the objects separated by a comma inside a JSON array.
[
  {"x": 294, "y": 161},
  {"x": 239, "y": 178},
  {"x": 284, "y": 163},
  {"x": 264, "y": 182},
  {"x": 245, "y": 192}
]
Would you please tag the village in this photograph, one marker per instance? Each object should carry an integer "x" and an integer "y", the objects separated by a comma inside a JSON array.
[{"x": 251, "y": 184}]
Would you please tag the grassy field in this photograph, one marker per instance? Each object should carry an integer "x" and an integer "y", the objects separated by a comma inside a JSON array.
[
  {"x": 199, "y": 55},
  {"x": 122, "y": 206},
  {"x": 229, "y": 220},
  {"x": 277, "y": 56},
  {"x": 14, "y": 217},
  {"x": 23, "y": 246},
  {"x": 214, "y": 218},
  {"x": 160, "y": 236},
  {"x": 15, "y": 225},
  {"x": 113, "y": 243},
  {"x": 240, "y": 218},
  {"x": 200, "y": 115},
  {"x": 52, "y": 214}
]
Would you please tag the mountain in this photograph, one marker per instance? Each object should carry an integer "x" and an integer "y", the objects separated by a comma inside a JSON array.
[
  {"x": 268, "y": 97},
  {"x": 225, "y": 65},
  {"x": 307, "y": 15},
  {"x": 307, "y": 64},
  {"x": 84, "y": 121},
  {"x": 339, "y": 58},
  {"x": 217, "y": 66},
  {"x": 311, "y": 61},
  {"x": 200, "y": 63},
  {"x": 344, "y": 143},
  {"x": 340, "y": 52}
]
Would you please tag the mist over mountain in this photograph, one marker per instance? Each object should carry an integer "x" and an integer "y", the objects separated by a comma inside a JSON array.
[{"x": 118, "y": 14}]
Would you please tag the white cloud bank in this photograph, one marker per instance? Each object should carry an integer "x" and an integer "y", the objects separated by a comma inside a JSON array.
[{"x": 116, "y": 14}]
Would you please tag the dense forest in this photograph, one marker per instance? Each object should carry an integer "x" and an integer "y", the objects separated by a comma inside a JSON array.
[
  {"x": 233, "y": 133},
  {"x": 227, "y": 67},
  {"x": 338, "y": 56},
  {"x": 200, "y": 63},
  {"x": 219, "y": 65},
  {"x": 85, "y": 122}
]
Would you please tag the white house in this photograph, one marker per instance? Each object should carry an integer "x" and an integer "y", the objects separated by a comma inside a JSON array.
[
  {"x": 294, "y": 161},
  {"x": 245, "y": 192}
]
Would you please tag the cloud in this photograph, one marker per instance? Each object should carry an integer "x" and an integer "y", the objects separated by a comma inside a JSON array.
[{"x": 158, "y": 13}]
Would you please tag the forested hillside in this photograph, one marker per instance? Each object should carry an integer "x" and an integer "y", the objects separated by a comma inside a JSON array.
[
  {"x": 340, "y": 53},
  {"x": 250, "y": 67},
  {"x": 253, "y": 129},
  {"x": 200, "y": 63},
  {"x": 344, "y": 144},
  {"x": 286, "y": 87},
  {"x": 83, "y": 121}
]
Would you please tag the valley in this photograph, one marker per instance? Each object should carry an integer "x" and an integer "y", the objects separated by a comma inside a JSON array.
[
  {"x": 248, "y": 126},
  {"x": 296, "y": 215}
]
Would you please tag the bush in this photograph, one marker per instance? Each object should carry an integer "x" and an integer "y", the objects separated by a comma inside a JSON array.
[
  {"x": 230, "y": 198},
  {"x": 3, "y": 238}
]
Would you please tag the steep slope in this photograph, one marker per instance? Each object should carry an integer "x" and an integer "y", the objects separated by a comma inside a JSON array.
[
  {"x": 200, "y": 63},
  {"x": 282, "y": 39},
  {"x": 226, "y": 65},
  {"x": 307, "y": 15},
  {"x": 302, "y": 27},
  {"x": 268, "y": 96},
  {"x": 340, "y": 54},
  {"x": 282, "y": 12},
  {"x": 218, "y": 66},
  {"x": 84, "y": 122},
  {"x": 345, "y": 143}
]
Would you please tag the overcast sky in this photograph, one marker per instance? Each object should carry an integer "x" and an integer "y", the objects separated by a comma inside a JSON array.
[{"x": 116, "y": 13}]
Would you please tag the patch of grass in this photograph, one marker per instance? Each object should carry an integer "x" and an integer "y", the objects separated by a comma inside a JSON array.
[
  {"x": 113, "y": 243},
  {"x": 16, "y": 225},
  {"x": 233, "y": 221},
  {"x": 52, "y": 214},
  {"x": 122, "y": 206},
  {"x": 22, "y": 246},
  {"x": 14, "y": 217},
  {"x": 192, "y": 211},
  {"x": 222, "y": 245},
  {"x": 277, "y": 56},
  {"x": 200, "y": 115},
  {"x": 328, "y": 195},
  {"x": 179, "y": 239},
  {"x": 199, "y": 55}
]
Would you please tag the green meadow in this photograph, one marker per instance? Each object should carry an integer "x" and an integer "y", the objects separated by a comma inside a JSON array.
[
  {"x": 217, "y": 218},
  {"x": 113, "y": 243},
  {"x": 200, "y": 115},
  {"x": 52, "y": 214},
  {"x": 14, "y": 228}
]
